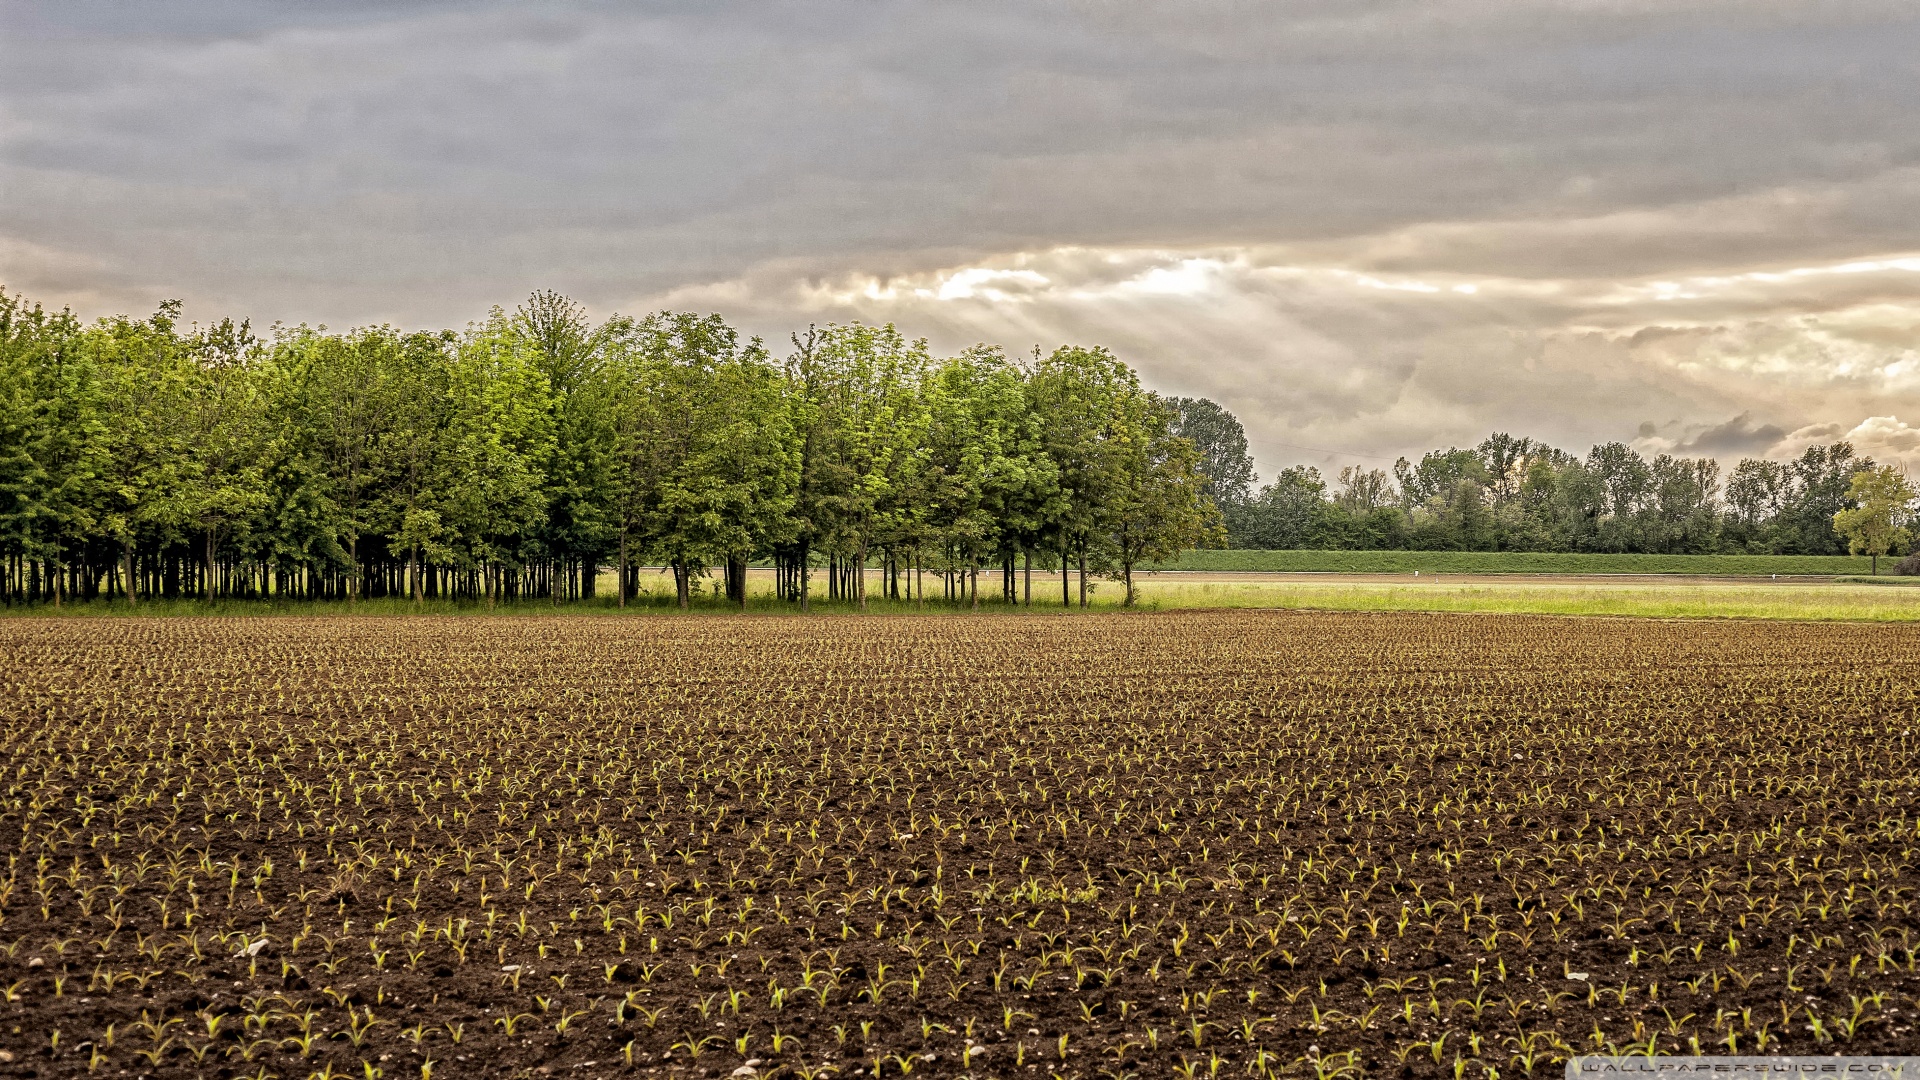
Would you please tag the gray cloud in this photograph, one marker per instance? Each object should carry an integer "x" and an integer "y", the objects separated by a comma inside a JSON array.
[
  {"x": 1657, "y": 203},
  {"x": 1739, "y": 435}
]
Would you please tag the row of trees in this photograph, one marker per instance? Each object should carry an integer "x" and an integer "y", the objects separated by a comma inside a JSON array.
[
  {"x": 522, "y": 456},
  {"x": 1518, "y": 494}
]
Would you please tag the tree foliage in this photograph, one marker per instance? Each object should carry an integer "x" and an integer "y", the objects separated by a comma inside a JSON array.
[
  {"x": 521, "y": 456},
  {"x": 525, "y": 454},
  {"x": 1883, "y": 506},
  {"x": 1518, "y": 494}
]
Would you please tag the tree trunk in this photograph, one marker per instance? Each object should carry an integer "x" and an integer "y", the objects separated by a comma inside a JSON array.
[
  {"x": 805, "y": 582},
  {"x": 623, "y": 567},
  {"x": 1026, "y": 599},
  {"x": 1083, "y": 575},
  {"x": 207, "y": 584},
  {"x": 133, "y": 583},
  {"x": 353, "y": 571},
  {"x": 974, "y": 591},
  {"x": 860, "y": 576},
  {"x": 1126, "y": 570},
  {"x": 1066, "y": 576}
]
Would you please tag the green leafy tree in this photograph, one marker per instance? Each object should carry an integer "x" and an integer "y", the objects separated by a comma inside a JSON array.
[
  {"x": 1221, "y": 442},
  {"x": 1882, "y": 508},
  {"x": 145, "y": 388},
  {"x": 714, "y": 439},
  {"x": 355, "y": 402},
  {"x": 411, "y": 448},
  {"x": 581, "y": 482},
  {"x": 856, "y": 402},
  {"x": 53, "y": 445},
  {"x": 1082, "y": 394},
  {"x": 499, "y": 444},
  {"x": 225, "y": 488},
  {"x": 1290, "y": 512},
  {"x": 1821, "y": 476},
  {"x": 979, "y": 460},
  {"x": 1157, "y": 504}
]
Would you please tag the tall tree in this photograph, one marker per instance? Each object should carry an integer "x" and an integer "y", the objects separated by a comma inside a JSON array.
[
  {"x": 413, "y": 448},
  {"x": 1882, "y": 510},
  {"x": 856, "y": 387},
  {"x": 225, "y": 489},
  {"x": 1221, "y": 442},
  {"x": 144, "y": 392},
  {"x": 580, "y": 484},
  {"x": 499, "y": 446},
  {"x": 1157, "y": 505},
  {"x": 1290, "y": 512},
  {"x": 980, "y": 468},
  {"x": 1821, "y": 478},
  {"x": 53, "y": 443},
  {"x": 1080, "y": 392},
  {"x": 716, "y": 438}
]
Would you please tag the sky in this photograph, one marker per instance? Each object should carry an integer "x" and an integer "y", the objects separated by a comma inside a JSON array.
[{"x": 1367, "y": 228}]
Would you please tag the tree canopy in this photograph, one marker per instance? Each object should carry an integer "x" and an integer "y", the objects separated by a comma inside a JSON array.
[
  {"x": 526, "y": 454},
  {"x": 520, "y": 457},
  {"x": 1883, "y": 502},
  {"x": 1513, "y": 493}
]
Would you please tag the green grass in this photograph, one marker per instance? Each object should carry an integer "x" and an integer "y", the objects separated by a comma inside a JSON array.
[
  {"x": 1820, "y": 601},
  {"x": 1505, "y": 562},
  {"x": 1852, "y": 599}
]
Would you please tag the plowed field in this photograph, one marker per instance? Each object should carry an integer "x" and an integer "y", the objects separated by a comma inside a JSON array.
[{"x": 1202, "y": 843}]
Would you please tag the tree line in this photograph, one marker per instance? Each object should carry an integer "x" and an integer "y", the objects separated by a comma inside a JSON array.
[
  {"x": 525, "y": 455},
  {"x": 1519, "y": 494}
]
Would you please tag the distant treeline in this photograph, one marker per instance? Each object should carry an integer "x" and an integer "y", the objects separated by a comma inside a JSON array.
[
  {"x": 1517, "y": 494},
  {"x": 520, "y": 457},
  {"x": 1324, "y": 561}
]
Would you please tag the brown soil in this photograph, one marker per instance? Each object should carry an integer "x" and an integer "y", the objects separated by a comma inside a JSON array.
[{"x": 1078, "y": 846}]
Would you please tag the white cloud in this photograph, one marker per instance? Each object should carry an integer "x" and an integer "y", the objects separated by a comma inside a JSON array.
[
  {"x": 1886, "y": 439},
  {"x": 988, "y": 283},
  {"x": 1327, "y": 356}
]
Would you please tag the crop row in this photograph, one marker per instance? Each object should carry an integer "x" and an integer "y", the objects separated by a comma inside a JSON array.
[{"x": 1216, "y": 844}]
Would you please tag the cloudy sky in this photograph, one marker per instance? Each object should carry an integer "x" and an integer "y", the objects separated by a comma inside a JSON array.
[{"x": 1368, "y": 228}]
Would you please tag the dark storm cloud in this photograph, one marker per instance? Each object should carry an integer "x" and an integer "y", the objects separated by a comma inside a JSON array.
[
  {"x": 1740, "y": 435},
  {"x": 347, "y": 162}
]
